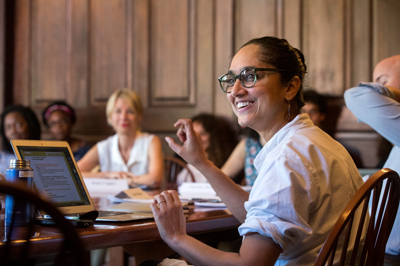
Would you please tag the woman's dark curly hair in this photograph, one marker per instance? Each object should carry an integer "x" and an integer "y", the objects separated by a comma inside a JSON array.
[
  {"x": 29, "y": 115},
  {"x": 223, "y": 138}
]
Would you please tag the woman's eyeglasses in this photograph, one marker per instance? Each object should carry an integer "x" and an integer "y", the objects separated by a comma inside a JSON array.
[{"x": 247, "y": 77}]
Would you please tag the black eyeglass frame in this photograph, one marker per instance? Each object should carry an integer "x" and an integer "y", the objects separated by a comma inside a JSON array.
[{"x": 255, "y": 69}]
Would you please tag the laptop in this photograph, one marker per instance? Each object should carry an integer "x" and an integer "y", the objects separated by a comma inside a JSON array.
[{"x": 58, "y": 179}]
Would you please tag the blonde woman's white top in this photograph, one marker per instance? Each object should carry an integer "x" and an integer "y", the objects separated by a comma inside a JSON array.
[{"x": 111, "y": 160}]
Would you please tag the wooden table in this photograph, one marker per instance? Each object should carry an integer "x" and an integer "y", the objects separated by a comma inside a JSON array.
[{"x": 219, "y": 224}]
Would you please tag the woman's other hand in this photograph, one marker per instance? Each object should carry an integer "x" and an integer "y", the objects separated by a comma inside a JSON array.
[
  {"x": 168, "y": 214},
  {"x": 192, "y": 149}
]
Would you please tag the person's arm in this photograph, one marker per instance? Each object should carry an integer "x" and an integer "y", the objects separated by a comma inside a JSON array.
[
  {"x": 156, "y": 167},
  {"x": 168, "y": 214},
  {"x": 235, "y": 162},
  {"x": 89, "y": 161},
  {"x": 378, "y": 107},
  {"x": 192, "y": 152}
]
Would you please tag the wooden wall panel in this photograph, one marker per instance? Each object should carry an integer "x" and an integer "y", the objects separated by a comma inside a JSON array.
[
  {"x": 173, "y": 81},
  {"x": 22, "y": 66},
  {"x": 324, "y": 45},
  {"x": 361, "y": 47},
  {"x": 224, "y": 49},
  {"x": 140, "y": 11},
  {"x": 386, "y": 33},
  {"x": 171, "y": 52},
  {"x": 254, "y": 19},
  {"x": 2, "y": 64},
  {"x": 292, "y": 26},
  {"x": 205, "y": 55},
  {"x": 108, "y": 54},
  {"x": 48, "y": 65},
  {"x": 77, "y": 48}
]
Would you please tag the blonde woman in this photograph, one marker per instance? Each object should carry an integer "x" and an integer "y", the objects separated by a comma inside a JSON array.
[{"x": 129, "y": 154}]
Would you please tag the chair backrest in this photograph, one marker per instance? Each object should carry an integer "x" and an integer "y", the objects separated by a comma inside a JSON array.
[
  {"x": 382, "y": 193},
  {"x": 172, "y": 168},
  {"x": 15, "y": 249}
]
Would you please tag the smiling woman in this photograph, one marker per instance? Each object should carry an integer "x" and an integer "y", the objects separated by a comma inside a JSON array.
[
  {"x": 305, "y": 177},
  {"x": 129, "y": 154},
  {"x": 17, "y": 122}
]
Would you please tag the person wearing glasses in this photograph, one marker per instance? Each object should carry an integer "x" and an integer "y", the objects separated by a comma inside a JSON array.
[
  {"x": 305, "y": 177},
  {"x": 59, "y": 117}
]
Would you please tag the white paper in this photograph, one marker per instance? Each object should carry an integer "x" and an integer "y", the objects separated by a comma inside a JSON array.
[
  {"x": 209, "y": 204},
  {"x": 101, "y": 186}
]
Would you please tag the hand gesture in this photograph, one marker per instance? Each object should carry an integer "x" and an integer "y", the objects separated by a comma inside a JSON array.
[{"x": 192, "y": 150}]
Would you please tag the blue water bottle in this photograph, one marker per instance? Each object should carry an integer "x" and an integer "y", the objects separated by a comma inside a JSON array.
[{"x": 19, "y": 172}]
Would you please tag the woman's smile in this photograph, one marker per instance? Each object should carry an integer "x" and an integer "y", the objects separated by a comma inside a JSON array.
[{"x": 242, "y": 105}]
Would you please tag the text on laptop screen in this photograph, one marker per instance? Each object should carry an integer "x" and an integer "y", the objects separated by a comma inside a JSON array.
[{"x": 55, "y": 175}]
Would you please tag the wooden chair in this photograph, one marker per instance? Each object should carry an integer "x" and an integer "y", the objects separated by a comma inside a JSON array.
[
  {"x": 15, "y": 250},
  {"x": 382, "y": 192},
  {"x": 172, "y": 168}
]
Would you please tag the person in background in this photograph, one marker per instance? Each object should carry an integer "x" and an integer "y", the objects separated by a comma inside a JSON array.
[
  {"x": 315, "y": 106},
  {"x": 378, "y": 105},
  {"x": 129, "y": 154},
  {"x": 218, "y": 139},
  {"x": 59, "y": 118},
  {"x": 305, "y": 177},
  {"x": 243, "y": 156},
  {"x": 17, "y": 122}
]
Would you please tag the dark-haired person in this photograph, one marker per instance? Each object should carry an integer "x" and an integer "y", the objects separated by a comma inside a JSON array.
[
  {"x": 315, "y": 106},
  {"x": 59, "y": 117},
  {"x": 17, "y": 122},
  {"x": 305, "y": 177},
  {"x": 378, "y": 105},
  {"x": 218, "y": 139}
]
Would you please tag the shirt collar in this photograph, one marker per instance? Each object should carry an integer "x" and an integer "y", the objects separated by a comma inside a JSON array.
[{"x": 300, "y": 121}]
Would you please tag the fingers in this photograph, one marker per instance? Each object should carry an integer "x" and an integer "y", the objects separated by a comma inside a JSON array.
[
  {"x": 185, "y": 129},
  {"x": 173, "y": 145},
  {"x": 166, "y": 199},
  {"x": 171, "y": 196}
]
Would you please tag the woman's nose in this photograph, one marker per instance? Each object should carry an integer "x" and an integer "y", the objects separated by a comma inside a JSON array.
[
  {"x": 238, "y": 89},
  {"x": 124, "y": 115}
]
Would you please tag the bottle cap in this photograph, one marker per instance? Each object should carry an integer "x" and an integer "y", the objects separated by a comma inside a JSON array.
[{"x": 19, "y": 163}]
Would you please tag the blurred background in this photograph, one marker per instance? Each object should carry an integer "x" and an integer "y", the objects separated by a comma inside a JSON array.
[{"x": 171, "y": 53}]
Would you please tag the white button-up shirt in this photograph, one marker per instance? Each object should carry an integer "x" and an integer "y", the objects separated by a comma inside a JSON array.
[{"x": 305, "y": 180}]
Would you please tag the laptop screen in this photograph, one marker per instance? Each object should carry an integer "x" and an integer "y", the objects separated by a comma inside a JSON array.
[{"x": 55, "y": 175}]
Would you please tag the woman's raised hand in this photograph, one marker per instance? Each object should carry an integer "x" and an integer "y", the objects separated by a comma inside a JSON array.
[{"x": 192, "y": 149}]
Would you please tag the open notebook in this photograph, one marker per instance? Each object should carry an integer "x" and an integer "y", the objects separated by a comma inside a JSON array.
[{"x": 57, "y": 178}]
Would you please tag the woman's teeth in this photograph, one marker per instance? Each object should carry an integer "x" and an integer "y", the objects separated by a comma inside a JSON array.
[{"x": 242, "y": 104}]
